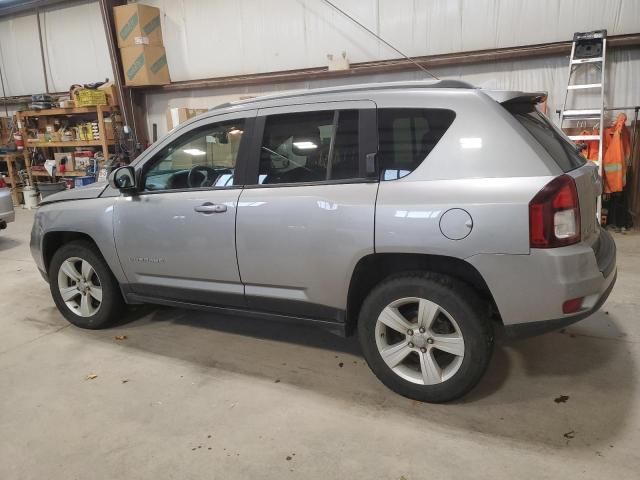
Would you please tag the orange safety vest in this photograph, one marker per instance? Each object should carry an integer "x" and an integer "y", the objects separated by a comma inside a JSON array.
[{"x": 618, "y": 148}]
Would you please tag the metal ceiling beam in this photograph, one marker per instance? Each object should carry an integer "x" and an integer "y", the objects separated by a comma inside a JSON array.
[
  {"x": 20, "y": 6},
  {"x": 387, "y": 66}
]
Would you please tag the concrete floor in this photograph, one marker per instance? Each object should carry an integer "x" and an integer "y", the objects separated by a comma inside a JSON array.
[{"x": 196, "y": 395}]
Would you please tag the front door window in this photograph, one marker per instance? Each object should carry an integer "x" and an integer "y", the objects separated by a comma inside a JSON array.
[{"x": 202, "y": 158}]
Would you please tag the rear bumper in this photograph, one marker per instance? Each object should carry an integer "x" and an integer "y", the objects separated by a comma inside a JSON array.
[
  {"x": 522, "y": 330},
  {"x": 529, "y": 290},
  {"x": 6, "y": 217}
]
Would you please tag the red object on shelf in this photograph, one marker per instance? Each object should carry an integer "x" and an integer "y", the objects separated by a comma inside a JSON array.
[{"x": 18, "y": 139}]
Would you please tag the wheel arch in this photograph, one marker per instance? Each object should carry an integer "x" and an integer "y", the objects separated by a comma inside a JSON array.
[
  {"x": 372, "y": 269},
  {"x": 53, "y": 240}
]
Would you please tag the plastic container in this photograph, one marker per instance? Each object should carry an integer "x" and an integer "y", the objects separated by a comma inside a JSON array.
[
  {"x": 82, "y": 181},
  {"x": 47, "y": 189},
  {"x": 30, "y": 197},
  {"x": 89, "y": 98}
]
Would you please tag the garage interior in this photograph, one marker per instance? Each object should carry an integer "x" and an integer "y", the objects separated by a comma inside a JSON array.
[{"x": 171, "y": 393}]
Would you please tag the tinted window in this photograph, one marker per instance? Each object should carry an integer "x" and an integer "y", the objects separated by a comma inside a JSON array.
[
  {"x": 205, "y": 157},
  {"x": 407, "y": 135},
  {"x": 310, "y": 147},
  {"x": 553, "y": 141}
]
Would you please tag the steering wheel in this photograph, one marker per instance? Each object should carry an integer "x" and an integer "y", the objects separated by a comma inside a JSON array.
[{"x": 207, "y": 176}]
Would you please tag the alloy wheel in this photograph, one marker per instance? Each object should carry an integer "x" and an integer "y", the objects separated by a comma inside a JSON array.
[
  {"x": 80, "y": 286},
  {"x": 419, "y": 341}
]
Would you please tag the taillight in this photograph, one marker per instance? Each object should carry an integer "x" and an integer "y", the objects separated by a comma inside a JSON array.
[
  {"x": 2, "y": 183},
  {"x": 554, "y": 215}
]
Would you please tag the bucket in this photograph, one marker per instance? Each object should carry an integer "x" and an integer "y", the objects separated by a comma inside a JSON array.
[
  {"x": 47, "y": 189},
  {"x": 30, "y": 197}
]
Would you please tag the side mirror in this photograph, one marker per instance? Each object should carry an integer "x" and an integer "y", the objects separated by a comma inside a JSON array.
[{"x": 123, "y": 179}]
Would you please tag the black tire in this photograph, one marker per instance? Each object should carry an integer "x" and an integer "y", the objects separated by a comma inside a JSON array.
[
  {"x": 461, "y": 302},
  {"x": 112, "y": 304}
]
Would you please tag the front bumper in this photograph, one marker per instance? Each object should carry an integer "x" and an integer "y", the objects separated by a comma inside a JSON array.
[
  {"x": 529, "y": 290},
  {"x": 35, "y": 245}
]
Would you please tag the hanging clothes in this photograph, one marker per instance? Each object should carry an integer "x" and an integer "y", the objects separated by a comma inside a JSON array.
[
  {"x": 591, "y": 152},
  {"x": 617, "y": 142}
]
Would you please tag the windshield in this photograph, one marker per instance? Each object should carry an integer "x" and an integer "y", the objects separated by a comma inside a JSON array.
[{"x": 559, "y": 147}]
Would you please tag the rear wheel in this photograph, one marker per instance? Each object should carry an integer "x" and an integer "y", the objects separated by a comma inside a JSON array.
[
  {"x": 83, "y": 287},
  {"x": 426, "y": 336}
]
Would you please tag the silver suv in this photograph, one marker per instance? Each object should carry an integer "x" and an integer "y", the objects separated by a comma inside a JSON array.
[
  {"x": 428, "y": 217},
  {"x": 6, "y": 205}
]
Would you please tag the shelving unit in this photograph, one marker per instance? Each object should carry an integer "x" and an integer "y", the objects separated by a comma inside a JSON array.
[{"x": 99, "y": 112}]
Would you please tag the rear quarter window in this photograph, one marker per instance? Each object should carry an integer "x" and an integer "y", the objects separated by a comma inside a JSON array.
[
  {"x": 406, "y": 136},
  {"x": 560, "y": 148}
]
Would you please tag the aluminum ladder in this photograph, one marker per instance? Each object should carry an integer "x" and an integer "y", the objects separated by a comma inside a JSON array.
[{"x": 587, "y": 50}]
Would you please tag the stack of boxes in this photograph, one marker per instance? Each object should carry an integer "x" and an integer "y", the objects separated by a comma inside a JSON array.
[{"x": 144, "y": 60}]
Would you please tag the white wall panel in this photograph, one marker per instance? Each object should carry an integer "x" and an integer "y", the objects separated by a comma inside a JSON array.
[
  {"x": 75, "y": 49},
  {"x": 75, "y": 45},
  {"x": 20, "y": 55},
  {"x": 214, "y": 38}
]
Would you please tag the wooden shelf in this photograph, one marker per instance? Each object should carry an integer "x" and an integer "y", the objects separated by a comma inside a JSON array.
[
  {"x": 40, "y": 173},
  {"x": 68, "y": 111},
  {"x": 103, "y": 144},
  {"x": 74, "y": 143}
]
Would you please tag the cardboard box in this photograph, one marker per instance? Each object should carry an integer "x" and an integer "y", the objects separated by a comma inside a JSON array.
[
  {"x": 176, "y": 116},
  {"x": 145, "y": 65},
  {"x": 137, "y": 24}
]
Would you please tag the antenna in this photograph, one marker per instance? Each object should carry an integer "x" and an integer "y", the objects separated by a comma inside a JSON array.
[{"x": 380, "y": 38}]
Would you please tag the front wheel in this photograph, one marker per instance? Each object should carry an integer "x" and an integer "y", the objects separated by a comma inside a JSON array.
[
  {"x": 83, "y": 287},
  {"x": 426, "y": 336}
]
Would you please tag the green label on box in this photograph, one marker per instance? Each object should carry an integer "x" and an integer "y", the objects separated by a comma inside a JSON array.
[
  {"x": 158, "y": 64},
  {"x": 152, "y": 25},
  {"x": 129, "y": 26},
  {"x": 135, "y": 67}
]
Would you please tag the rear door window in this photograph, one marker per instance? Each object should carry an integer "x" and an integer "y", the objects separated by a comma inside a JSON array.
[
  {"x": 406, "y": 136},
  {"x": 561, "y": 149},
  {"x": 310, "y": 147}
]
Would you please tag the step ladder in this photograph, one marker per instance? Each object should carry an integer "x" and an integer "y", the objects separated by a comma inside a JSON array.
[{"x": 588, "y": 50}]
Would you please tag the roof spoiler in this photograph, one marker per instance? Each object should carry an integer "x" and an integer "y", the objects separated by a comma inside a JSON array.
[{"x": 510, "y": 97}]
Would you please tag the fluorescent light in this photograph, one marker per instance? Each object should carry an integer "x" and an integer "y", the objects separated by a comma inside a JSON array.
[
  {"x": 196, "y": 152},
  {"x": 305, "y": 145}
]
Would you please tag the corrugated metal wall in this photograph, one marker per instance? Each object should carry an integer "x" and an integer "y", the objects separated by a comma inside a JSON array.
[
  {"x": 540, "y": 74},
  {"x": 214, "y": 38},
  {"x": 75, "y": 49}
]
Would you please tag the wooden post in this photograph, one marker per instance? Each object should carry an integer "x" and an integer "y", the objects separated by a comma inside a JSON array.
[
  {"x": 131, "y": 104},
  {"x": 27, "y": 154},
  {"x": 13, "y": 177},
  {"x": 103, "y": 134}
]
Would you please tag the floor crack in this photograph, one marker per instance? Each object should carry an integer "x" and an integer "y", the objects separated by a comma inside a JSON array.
[{"x": 34, "y": 339}]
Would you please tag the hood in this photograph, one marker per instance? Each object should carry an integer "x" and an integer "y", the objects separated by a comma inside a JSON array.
[{"x": 79, "y": 193}]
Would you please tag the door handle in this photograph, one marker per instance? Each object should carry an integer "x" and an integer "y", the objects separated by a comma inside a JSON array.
[{"x": 211, "y": 208}]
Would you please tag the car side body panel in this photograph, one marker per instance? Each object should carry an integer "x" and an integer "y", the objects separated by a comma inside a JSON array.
[
  {"x": 91, "y": 217},
  {"x": 7, "y": 214},
  {"x": 301, "y": 243}
]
